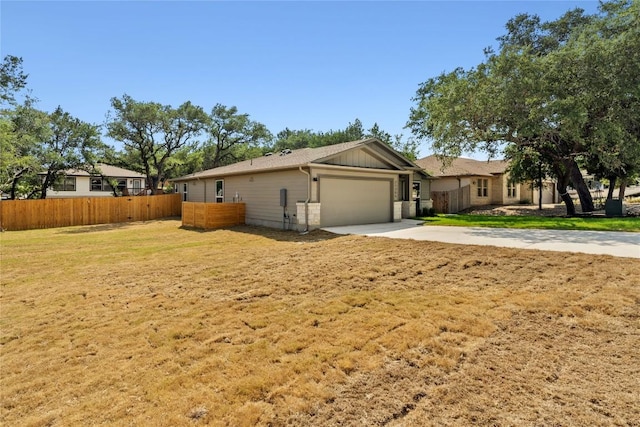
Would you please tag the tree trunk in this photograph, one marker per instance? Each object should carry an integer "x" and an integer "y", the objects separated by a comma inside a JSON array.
[
  {"x": 586, "y": 201},
  {"x": 539, "y": 185},
  {"x": 14, "y": 187},
  {"x": 623, "y": 188},
  {"x": 48, "y": 179},
  {"x": 561, "y": 186},
  {"x": 612, "y": 186},
  {"x": 14, "y": 182},
  {"x": 153, "y": 185}
]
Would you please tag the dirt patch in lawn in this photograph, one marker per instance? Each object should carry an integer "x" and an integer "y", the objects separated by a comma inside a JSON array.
[{"x": 152, "y": 324}]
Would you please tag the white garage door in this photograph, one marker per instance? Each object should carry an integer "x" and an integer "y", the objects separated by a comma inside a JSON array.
[{"x": 346, "y": 201}]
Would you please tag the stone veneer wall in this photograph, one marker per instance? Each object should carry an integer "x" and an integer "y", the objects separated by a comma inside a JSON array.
[
  {"x": 408, "y": 209},
  {"x": 314, "y": 215},
  {"x": 397, "y": 211}
]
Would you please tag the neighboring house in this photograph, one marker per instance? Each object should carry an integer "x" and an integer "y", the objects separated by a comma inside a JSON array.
[
  {"x": 355, "y": 182},
  {"x": 476, "y": 183},
  {"x": 78, "y": 183}
]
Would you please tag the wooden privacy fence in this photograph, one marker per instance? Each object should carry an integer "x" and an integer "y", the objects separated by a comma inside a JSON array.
[
  {"x": 50, "y": 213},
  {"x": 451, "y": 201},
  {"x": 212, "y": 215}
]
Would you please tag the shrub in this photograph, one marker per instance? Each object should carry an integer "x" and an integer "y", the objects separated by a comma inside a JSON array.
[{"x": 428, "y": 212}]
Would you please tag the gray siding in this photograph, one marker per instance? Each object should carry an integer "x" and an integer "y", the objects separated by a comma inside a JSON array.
[
  {"x": 261, "y": 194},
  {"x": 195, "y": 190}
]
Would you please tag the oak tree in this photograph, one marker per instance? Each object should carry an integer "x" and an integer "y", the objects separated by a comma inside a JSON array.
[{"x": 152, "y": 133}]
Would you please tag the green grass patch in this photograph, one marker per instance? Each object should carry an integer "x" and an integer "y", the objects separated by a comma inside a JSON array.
[{"x": 551, "y": 223}]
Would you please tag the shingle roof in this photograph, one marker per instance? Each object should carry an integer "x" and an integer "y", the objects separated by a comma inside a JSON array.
[
  {"x": 277, "y": 161},
  {"x": 462, "y": 167}
]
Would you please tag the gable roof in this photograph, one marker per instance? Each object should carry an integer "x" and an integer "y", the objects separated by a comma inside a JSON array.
[
  {"x": 300, "y": 157},
  {"x": 106, "y": 170},
  {"x": 462, "y": 167}
]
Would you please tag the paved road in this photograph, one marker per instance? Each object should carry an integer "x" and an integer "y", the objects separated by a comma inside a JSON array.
[{"x": 620, "y": 244}]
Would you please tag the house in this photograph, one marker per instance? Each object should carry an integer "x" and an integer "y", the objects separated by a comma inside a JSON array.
[
  {"x": 470, "y": 182},
  {"x": 355, "y": 182},
  {"x": 79, "y": 183}
]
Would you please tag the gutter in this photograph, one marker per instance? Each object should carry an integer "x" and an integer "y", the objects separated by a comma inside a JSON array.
[{"x": 306, "y": 202}]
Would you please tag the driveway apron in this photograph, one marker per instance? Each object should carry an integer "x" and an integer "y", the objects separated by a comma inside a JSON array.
[{"x": 619, "y": 244}]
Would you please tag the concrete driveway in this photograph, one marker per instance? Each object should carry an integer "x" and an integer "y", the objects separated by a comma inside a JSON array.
[{"x": 620, "y": 244}]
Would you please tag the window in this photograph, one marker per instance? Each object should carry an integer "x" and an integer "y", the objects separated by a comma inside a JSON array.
[
  {"x": 511, "y": 189},
  {"x": 96, "y": 184},
  {"x": 122, "y": 185},
  {"x": 483, "y": 187},
  {"x": 68, "y": 183},
  {"x": 185, "y": 190},
  {"x": 219, "y": 191},
  {"x": 100, "y": 184}
]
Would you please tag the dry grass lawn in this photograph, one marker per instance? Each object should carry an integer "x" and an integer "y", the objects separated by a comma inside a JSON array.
[{"x": 151, "y": 324}]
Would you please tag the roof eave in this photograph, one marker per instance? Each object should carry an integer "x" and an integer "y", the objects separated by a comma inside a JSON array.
[{"x": 243, "y": 172}]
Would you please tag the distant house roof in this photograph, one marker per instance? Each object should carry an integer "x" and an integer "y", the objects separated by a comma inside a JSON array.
[
  {"x": 295, "y": 158},
  {"x": 462, "y": 167},
  {"x": 108, "y": 171}
]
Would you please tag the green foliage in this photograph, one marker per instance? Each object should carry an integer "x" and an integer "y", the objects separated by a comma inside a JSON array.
[
  {"x": 232, "y": 137},
  {"x": 72, "y": 144},
  {"x": 428, "y": 212},
  {"x": 557, "y": 96},
  {"x": 12, "y": 79},
  {"x": 295, "y": 139},
  {"x": 33, "y": 142},
  {"x": 21, "y": 131},
  {"x": 152, "y": 133}
]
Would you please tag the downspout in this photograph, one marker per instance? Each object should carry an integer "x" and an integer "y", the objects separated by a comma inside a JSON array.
[
  {"x": 306, "y": 202},
  {"x": 460, "y": 195}
]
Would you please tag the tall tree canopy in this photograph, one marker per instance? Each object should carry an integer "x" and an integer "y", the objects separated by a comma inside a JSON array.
[
  {"x": 33, "y": 141},
  {"x": 23, "y": 130},
  {"x": 555, "y": 97},
  {"x": 152, "y": 133},
  {"x": 12, "y": 79},
  {"x": 71, "y": 144},
  {"x": 232, "y": 137},
  {"x": 294, "y": 139}
]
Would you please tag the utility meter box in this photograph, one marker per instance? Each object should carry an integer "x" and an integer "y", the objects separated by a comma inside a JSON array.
[
  {"x": 614, "y": 207},
  {"x": 283, "y": 197}
]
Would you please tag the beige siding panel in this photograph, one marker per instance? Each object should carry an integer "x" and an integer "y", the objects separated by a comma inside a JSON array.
[
  {"x": 196, "y": 191},
  {"x": 358, "y": 158},
  {"x": 355, "y": 201},
  {"x": 261, "y": 194}
]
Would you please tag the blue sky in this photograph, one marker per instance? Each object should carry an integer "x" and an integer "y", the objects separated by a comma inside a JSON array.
[{"x": 301, "y": 65}]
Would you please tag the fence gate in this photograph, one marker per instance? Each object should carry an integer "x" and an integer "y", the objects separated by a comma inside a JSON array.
[{"x": 452, "y": 201}]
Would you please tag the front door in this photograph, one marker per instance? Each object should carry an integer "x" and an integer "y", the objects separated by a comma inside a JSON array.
[
  {"x": 415, "y": 196},
  {"x": 137, "y": 186}
]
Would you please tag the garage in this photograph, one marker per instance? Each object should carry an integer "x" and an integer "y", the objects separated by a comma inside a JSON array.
[{"x": 348, "y": 201}]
